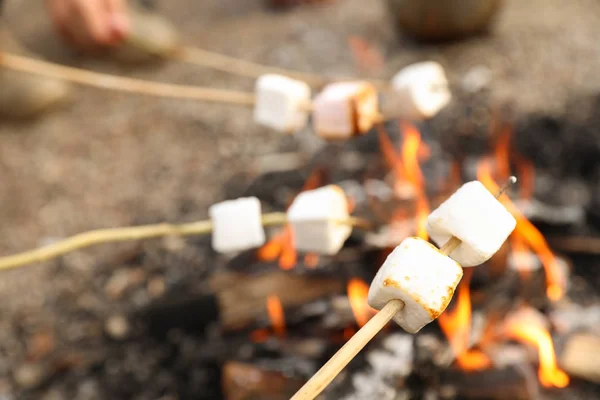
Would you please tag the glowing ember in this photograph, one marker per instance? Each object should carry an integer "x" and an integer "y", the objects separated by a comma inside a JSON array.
[
  {"x": 456, "y": 325},
  {"x": 530, "y": 234},
  {"x": 259, "y": 335},
  {"x": 276, "y": 316},
  {"x": 358, "y": 291},
  {"x": 311, "y": 260},
  {"x": 535, "y": 334}
]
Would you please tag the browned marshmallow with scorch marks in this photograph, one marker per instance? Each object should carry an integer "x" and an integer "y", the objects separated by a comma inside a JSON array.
[
  {"x": 422, "y": 277},
  {"x": 345, "y": 109}
]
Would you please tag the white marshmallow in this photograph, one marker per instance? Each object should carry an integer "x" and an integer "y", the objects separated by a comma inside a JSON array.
[
  {"x": 345, "y": 109},
  {"x": 422, "y": 277},
  {"x": 477, "y": 218},
  {"x": 281, "y": 103},
  {"x": 237, "y": 225},
  {"x": 420, "y": 91},
  {"x": 314, "y": 216}
]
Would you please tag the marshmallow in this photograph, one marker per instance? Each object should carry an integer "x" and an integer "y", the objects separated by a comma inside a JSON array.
[
  {"x": 281, "y": 103},
  {"x": 420, "y": 91},
  {"x": 345, "y": 109},
  {"x": 237, "y": 225},
  {"x": 422, "y": 277},
  {"x": 477, "y": 218},
  {"x": 315, "y": 217}
]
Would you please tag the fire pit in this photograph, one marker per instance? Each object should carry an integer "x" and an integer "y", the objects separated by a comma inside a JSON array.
[
  {"x": 184, "y": 322},
  {"x": 512, "y": 329}
]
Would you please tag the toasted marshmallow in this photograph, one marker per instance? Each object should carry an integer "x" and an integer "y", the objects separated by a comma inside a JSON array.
[
  {"x": 477, "y": 218},
  {"x": 315, "y": 217},
  {"x": 345, "y": 109},
  {"x": 282, "y": 103},
  {"x": 419, "y": 91},
  {"x": 422, "y": 277},
  {"x": 237, "y": 225}
]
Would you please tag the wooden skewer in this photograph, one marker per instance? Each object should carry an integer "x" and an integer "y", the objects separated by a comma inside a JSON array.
[
  {"x": 130, "y": 85},
  {"x": 123, "y": 84},
  {"x": 90, "y": 238},
  {"x": 348, "y": 351},
  {"x": 237, "y": 66}
]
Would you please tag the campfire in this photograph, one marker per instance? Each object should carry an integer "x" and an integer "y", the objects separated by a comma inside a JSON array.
[
  {"x": 290, "y": 288},
  {"x": 297, "y": 285},
  {"x": 500, "y": 328}
]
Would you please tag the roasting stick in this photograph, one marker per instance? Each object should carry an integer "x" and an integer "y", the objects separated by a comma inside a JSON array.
[
  {"x": 240, "y": 67},
  {"x": 346, "y": 353},
  {"x": 99, "y": 236},
  {"x": 123, "y": 84}
]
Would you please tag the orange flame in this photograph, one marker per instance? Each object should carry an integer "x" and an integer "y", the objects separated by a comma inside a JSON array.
[
  {"x": 526, "y": 178},
  {"x": 534, "y": 334},
  {"x": 281, "y": 246},
  {"x": 358, "y": 291},
  {"x": 407, "y": 170},
  {"x": 530, "y": 234},
  {"x": 501, "y": 153},
  {"x": 519, "y": 246},
  {"x": 456, "y": 325},
  {"x": 276, "y": 316},
  {"x": 410, "y": 157}
]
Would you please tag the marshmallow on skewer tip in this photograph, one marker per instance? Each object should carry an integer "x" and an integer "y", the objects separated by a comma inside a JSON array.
[
  {"x": 477, "y": 218},
  {"x": 282, "y": 103},
  {"x": 419, "y": 275},
  {"x": 419, "y": 91},
  {"x": 345, "y": 109},
  {"x": 316, "y": 217},
  {"x": 237, "y": 225}
]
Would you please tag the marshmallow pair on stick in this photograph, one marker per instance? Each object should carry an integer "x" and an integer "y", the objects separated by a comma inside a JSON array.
[
  {"x": 422, "y": 276},
  {"x": 417, "y": 281},
  {"x": 346, "y": 109},
  {"x": 318, "y": 219}
]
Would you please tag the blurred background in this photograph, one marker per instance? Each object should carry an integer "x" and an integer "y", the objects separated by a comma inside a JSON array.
[{"x": 159, "y": 319}]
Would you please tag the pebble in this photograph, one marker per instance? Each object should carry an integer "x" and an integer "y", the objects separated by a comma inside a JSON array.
[
  {"x": 156, "y": 287},
  {"x": 29, "y": 376},
  {"x": 477, "y": 79},
  {"x": 122, "y": 280},
  {"x": 117, "y": 327}
]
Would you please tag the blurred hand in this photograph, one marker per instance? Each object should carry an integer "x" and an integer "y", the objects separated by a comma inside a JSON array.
[{"x": 90, "y": 24}]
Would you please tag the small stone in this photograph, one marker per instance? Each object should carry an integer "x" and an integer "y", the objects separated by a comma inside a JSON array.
[
  {"x": 156, "y": 287},
  {"x": 122, "y": 280},
  {"x": 477, "y": 79},
  {"x": 117, "y": 327},
  {"x": 29, "y": 376},
  {"x": 173, "y": 243}
]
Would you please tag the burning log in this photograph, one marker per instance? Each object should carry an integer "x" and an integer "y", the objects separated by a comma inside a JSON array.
[
  {"x": 242, "y": 381},
  {"x": 232, "y": 305},
  {"x": 580, "y": 356},
  {"x": 510, "y": 382}
]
